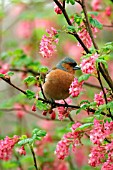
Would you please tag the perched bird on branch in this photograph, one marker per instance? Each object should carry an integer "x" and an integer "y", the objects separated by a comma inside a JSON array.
[{"x": 59, "y": 79}]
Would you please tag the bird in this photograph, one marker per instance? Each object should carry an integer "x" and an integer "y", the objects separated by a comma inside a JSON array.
[{"x": 59, "y": 79}]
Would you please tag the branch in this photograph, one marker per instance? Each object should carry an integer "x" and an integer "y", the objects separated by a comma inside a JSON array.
[
  {"x": 34, "y": 157},
  {"x": 88, "y": 24},
  {"x": 55, "y": 104},
  {"x": 69, "y": 23}
]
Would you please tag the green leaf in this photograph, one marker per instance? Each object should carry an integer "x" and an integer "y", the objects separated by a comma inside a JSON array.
[
  {"x": 84, "y": 77},
  {"x": 10, "y": 73},
  {"x": 93, "y": 13},
  {"x": 84, "y": 126},
  {"x": 41, "y": 133},
  {"x": 71, "y": 28},
  {"x": 26, "y": 141},
  {"x": 29, "y": 79},
  {"x": 67, "y": 1},
  {"x": 102, "y": 61},
  {"x": 110, "y": 105},
  {"x": 78, "y": 111},
  {"x": 95, "y": 23},
  {"x": 84, "y": 101},
  {"x": 1, "y": 75},
  {"x": 43, "y": 69},
  {"x": 41, "y": 106},
  {"x": 30, "y": 94},
  {"x": 72, "y": 2}
]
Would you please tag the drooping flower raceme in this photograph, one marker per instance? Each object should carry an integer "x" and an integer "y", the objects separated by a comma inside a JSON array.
[
  {"x": 48, "y": 43},
  {"x": 62, "y": 149},
  {"x": 75, "y": 88},
  {"x": 88, "y": 65},
  {"x": 6, "y": 147},
  {"x": 102, "y": 152},
  {"x": 99, "y": 98},
  {"x": 57, "y": 9},
  {"x": 85, "y": 37}
]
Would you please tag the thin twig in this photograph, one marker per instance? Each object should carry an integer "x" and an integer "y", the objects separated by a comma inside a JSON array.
[
  {"x": 88, "y": 24},
  {"x": 69, "y": 23},
  {"x": 34, "y": 157}
]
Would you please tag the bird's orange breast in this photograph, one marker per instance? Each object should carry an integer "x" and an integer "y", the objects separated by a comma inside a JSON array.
[{"x": 57, "y": 84}]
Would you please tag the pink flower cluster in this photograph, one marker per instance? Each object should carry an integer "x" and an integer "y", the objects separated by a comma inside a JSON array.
[
  {"x": 85, "y": 37},
  {"x": 99, "y": 98},
  {"x": 57, "y": 9},
  {"x": 4, "y": 68},
  {"x": 75, "y": 88},
  {"x": 101, "y": 153},
  {"x": 88, "y": 65},
  {"x": 6, "y": 147},
  {"x": 22, "y": 150},
  {"x": 62, "y": 111},
  {"x": 47, "y": 44},
  {"x": 96, "y": 5},
  {"x": 62, "y": 149}
]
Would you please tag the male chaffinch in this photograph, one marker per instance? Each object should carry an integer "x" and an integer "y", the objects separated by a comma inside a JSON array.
[{"x": 59, "y": 79}]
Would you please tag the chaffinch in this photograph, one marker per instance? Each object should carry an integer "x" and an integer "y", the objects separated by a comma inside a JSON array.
[{"x": 59, "y": 79}]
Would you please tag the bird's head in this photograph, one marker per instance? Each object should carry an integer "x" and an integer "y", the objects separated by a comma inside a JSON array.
[{"x": 68, "y": 64}]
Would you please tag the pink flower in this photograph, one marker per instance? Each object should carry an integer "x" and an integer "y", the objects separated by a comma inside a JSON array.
[
  {"x": 96, "y": 5},
  {"x": 34, "y": 108},
  {"x": 107, "y": 166},
  {"x": 57, "y": 9},
  {"x": 24, "y": 29},
  {"x": 62, "y": 111},
  {"x": 22, "y": 151},
  {"x": 62, "y": 149},
  {"x": 85, "y": 37},
  {"x": 88, "y": 65},
  {"x": 97, "y": 134},
  {"x": 47, "y": 45},
  {"x": 20, "y": 113},
  {"x": 99, "y": 98},
  {"x": 100, "y": 131},
  {"x": 6, "y": 147},
  {"x": 108, "y": 11},
  {"x": 4, "y": 68},
  {"x": 97, "y": 155},
  {"x": 75, "y": 88}
]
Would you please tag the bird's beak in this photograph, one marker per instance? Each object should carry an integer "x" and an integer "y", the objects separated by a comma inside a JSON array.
[{"x": 77, "y": 67}]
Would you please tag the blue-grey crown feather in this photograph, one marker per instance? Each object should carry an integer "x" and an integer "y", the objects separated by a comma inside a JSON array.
[{"x": 65, "y": 60}]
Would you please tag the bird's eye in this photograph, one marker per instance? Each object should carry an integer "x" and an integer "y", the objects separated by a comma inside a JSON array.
[{"x": 72, "y": 64}]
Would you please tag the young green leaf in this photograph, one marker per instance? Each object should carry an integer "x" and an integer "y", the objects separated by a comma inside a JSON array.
[
  {"x": 1, "y": 75},
  {"x": 84, "y": 77},
  {"x": 29, "y": 79},
  {"x": 95, "y": 23},
  {"x": 30, "y": 94},
  {"x": 84, "y": 126},
  {"x": 40, "y": 105},
  {"x": 10, "y": 73}
]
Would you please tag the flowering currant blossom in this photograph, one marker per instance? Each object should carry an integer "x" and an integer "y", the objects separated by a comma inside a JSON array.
[
  {"x": 22, "y": 151},
  {"x": 47, "y": 44},
  {"x": 99, "y": 98},
  {"x": 96, "y": 5},
  {"x": 101, "y": 153},
  {"x": 62, "y": 112},
  {"x": 6, "y": 147},
  {"x": 62, "y": 149},
  {"x": 75, "y": 88},
  {"x": 100, "y": 131},
  {"x": 97, "y": 155},
  {"x": 57, "y": 9},
  {"x": 4, "y": 68},
  {"x": 85, "y": 37},
  {"x": 88, "y": 65}
]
